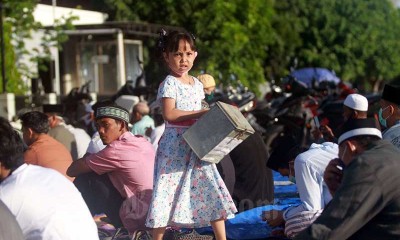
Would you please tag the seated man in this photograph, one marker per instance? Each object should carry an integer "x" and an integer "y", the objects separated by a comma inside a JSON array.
[
  {"x": 43, "y": 150},
  {"x": 118, "y": 178},
  {"x": 45, "y": 204},
  {"x": 58, "y": 129},
  {"x": 366, "y": 204},
  {"x": 308, "y": 171},
  {"x": 9, "y": 227},
  {"x": 141, "y": 121},
  {"x": 354, "y": 106}
]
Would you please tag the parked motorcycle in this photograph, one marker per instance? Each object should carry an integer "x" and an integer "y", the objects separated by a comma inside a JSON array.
[{"x": 290, "y": 113}]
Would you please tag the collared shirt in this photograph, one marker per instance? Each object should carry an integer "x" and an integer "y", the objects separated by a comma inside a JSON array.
[
  {"x": 129, "y": 162},
  {"x": 48, "y": 152},
  {"x": 393, "y": 135},
  {"x": 46, "y": 205},
  {"x": 309, "y": 171},
  {"x": 367, "y": 203}
]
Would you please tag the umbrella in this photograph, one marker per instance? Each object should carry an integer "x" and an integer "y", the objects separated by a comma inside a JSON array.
[{"x": 307, "y": 75}]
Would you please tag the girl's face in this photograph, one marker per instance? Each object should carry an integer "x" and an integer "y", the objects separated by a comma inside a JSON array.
[{"x": 181, "y": 61}]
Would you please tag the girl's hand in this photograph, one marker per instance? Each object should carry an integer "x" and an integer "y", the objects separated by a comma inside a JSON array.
[{"x": 171, "y": 114}]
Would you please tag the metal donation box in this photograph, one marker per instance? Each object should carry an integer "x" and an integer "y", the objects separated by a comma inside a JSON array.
[{"x": 218, "y": 132}]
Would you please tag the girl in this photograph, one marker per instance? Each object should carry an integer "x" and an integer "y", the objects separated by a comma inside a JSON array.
[{"x": 187, "y": 192}]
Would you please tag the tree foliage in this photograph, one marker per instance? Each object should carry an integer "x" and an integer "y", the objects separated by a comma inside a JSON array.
[
  {"x": 357, "y": 39},
  {"x": 257, "y": 40},
  {"x": 232, "y": 36},
  {"x": 19, "y": 24}
]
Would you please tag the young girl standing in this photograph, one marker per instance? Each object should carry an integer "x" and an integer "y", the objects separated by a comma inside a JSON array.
[{"x": 187, "y": 192}]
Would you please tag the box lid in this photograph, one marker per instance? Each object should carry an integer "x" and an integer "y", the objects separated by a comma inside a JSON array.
[{"x": 235, "y": 117}]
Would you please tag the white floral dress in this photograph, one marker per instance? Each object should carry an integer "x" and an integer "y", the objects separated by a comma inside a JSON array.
[{"x": 187, "y": 192}]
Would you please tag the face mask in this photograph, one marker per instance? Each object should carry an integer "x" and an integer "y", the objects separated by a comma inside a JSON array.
[
  {"x": 209, "y": 97},
  {"x": 382, "y": 120}
]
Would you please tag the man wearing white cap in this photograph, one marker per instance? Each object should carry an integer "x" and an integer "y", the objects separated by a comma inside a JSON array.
[
  {"x": 367, "y": 202},
  {"x": 389, "y": 114},
  {"x": 354, "y": 106}
]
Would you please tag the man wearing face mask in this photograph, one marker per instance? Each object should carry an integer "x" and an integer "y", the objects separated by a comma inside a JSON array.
[
  {"x": 308, "y": 172},
  {"x": 367, "y": 202},
  {"x": 389, "y": 114}
]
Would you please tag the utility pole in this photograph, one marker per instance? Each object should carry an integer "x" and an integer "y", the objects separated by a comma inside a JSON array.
[{"x": 3, "y": 69}]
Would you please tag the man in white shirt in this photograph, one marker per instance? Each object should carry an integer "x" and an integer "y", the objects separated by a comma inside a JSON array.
[
  {"x": 309, "y": 168},
  {"x": 45, "y": 203}
]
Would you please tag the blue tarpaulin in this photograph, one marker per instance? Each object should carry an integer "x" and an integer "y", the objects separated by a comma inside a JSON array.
[
  {"x": 248, "y": 224},
  {"x": 307, "y": 75}
]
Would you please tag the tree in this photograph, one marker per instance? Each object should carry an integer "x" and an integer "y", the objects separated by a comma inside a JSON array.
[
  {"x": 253, "y": 41},
  {"x": 232, "y": 36},
  {"x": 19, "y": 23},
  {"x": 357, "y": 39}
]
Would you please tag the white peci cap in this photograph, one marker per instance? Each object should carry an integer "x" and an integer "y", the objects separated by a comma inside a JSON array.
[{"x": 357, "y": 102}]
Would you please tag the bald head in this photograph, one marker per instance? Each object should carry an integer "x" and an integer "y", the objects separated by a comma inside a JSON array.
[
  {"x": 142, "y": 108},
  {"x": 139, "y": 110}
]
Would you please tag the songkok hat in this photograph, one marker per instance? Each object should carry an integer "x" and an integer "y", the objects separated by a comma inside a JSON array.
[
  {"x": 207, "y": 80},
  {"x": 53, "y": 108},
  {"x": 357, "y": 102},
  {"x": 391, "y": 93},
  {"x": 360, "y": 127},
  {"x": 115, "y": 112}
]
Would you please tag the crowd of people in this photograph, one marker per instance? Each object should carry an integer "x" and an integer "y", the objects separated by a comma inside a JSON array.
[
  {"x": 346, "y": 183},
  {"x": 137, "y": 169}
]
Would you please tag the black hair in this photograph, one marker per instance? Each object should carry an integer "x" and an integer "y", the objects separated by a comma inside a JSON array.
[
  {"x": 170, "y": 42},
  {"x": 287, "y": 149},
  {"x": 37, "y": 121},
  {"x": 11, "y": 146}
]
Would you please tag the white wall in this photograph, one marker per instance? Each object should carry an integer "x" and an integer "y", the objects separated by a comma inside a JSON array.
[{"x": 45, "y": 14}]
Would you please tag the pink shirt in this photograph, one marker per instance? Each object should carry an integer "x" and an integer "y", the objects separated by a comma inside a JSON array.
[{"x": 129, "y": 162}]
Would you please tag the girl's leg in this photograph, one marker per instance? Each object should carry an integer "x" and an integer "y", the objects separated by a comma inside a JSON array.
[
  {"x": 218, "y": 227},
  {"x": 158, "y": 233}
]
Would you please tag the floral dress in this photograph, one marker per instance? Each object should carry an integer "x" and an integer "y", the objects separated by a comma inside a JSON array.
[{"x": 187, "y": 192}]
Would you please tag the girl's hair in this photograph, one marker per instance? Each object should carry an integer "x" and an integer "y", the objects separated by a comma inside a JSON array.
[{"x": 170, "y": 42}]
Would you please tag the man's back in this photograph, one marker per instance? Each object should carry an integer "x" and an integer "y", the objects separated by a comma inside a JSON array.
[
  {"x": 380, "y": 167},
  {"x": 66, "y": 138},
  {"x": 49, "y": 153},
  {"x": 46, "y": 205},
  {"x": 253, "y": 179},
  {"x": 367, "y": 204}
]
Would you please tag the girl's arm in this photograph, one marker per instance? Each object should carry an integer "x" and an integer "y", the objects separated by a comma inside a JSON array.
[{"x": 171, "y": 114}]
